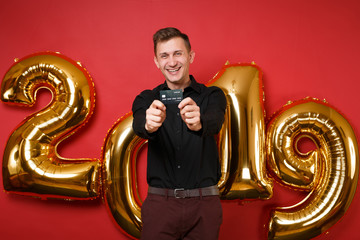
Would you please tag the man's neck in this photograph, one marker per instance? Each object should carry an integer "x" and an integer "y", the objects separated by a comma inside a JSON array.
[{"x": 181, "y": 86}]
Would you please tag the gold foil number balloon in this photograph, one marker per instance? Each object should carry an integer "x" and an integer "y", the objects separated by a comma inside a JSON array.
[
  {"x": 119, "y": 176},
  {"x": 242, "y": 137},
  {"x": 31, "y": 164},
  {"x": 241, "y": 146},
  {"x": 330, "y": 173}
]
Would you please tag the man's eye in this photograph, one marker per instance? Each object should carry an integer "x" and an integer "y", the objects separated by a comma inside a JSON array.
[
  {"x": 163, "y": 56},
  {"x": 178, "y": 54}
]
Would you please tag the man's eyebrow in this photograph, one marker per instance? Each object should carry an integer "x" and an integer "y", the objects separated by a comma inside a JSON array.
[{"x": 171, "y": 52}]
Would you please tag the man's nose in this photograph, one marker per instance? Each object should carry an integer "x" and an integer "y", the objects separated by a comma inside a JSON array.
[{"x": 172, "y": 61}]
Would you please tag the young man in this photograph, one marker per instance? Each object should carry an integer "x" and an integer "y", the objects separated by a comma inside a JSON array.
[{"x": 183, "y": 166}]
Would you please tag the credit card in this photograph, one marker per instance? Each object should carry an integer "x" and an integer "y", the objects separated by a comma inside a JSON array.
[{"x": 171, "y": 96}]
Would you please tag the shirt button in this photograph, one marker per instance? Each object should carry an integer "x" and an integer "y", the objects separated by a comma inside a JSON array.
[
  {"x": 178, "y": 114},
  {"x": 178, "y": 166}
]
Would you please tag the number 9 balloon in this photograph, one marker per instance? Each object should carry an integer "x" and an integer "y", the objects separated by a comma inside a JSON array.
[
  {"x": 31, "y": 164},
  {"x": 330, "y": 173}
]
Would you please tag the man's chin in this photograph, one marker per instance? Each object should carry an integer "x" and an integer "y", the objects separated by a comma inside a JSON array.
[{"x": 173, "y": 79}]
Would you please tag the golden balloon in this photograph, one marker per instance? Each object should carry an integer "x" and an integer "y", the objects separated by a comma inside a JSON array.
[
  {"x": 31, "y": 164},
  {"x": 330, "y": 173},
  {"x": 119, "y": 176},
  {"x": 242, "y": 137}
]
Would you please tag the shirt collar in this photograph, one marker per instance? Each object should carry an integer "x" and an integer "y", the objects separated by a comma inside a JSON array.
[{"x": 193, "y": 85}]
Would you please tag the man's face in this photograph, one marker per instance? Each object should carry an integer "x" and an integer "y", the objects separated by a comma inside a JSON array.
[{"x": 173, "y": 59}]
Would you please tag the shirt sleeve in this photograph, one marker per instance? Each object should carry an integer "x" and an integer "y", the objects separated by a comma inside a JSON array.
[
  {"x": 141, "y": 103},
  {"x": 212, "y": 117}
]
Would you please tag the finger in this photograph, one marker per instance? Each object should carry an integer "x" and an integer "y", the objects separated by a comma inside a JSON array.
[
  {"x": 154, "y": 124},
  {"x": 158, "y": 105},
  {"x": 190, "y": 108},
  {"x": 191, "y": 114},
  {"x": 194, "y": 120},
  {"x": 155, "y": 112},
  {"x": 156, "y": 115},
  {"x": 154, "y": 118},
  {"x": 185, "y": 102}
]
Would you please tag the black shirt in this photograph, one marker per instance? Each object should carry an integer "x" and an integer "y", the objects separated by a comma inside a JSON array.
[{"x": 177, "y": 156}]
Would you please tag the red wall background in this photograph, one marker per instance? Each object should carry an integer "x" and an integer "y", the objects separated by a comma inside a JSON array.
[{"x": 305, "y": 48}]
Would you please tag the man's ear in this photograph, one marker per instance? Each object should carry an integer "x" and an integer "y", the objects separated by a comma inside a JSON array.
[
  {"x": 192, "y": 56},
  {"x": 156, "y": 62}
]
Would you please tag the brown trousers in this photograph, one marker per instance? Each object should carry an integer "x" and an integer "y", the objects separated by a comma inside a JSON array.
[{"x": 185, "y": 218}]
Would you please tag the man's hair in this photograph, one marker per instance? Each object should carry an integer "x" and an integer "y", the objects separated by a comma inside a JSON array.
[{"x": 168, "y": 33}]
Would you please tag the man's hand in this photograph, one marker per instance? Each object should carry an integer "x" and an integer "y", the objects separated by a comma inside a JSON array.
[
  {"x": 190, "y": 114},
  {"x": 155, "y": 116}
]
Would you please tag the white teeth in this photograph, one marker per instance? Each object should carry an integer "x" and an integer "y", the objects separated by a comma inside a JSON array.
[{"x": 173, "y": 70}]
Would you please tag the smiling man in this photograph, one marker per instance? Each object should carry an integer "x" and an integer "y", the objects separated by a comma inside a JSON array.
[
  {"x": 173, "y": 58},
  {"x": 180, "y": 118}
]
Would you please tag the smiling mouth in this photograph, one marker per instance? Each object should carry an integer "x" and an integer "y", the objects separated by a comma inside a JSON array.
[{"x": 173, "y": 70}]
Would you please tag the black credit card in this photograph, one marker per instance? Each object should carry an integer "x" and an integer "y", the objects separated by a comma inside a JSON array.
[{"x": 171, "y": 96}]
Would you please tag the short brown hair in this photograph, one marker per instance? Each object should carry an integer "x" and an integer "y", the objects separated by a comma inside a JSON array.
[{"x": 168, "y": 33}]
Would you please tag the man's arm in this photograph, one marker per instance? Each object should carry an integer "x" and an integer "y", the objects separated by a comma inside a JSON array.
[
  {"x": 207, "y": 121},
  {"x": 148, "y": 114}
]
